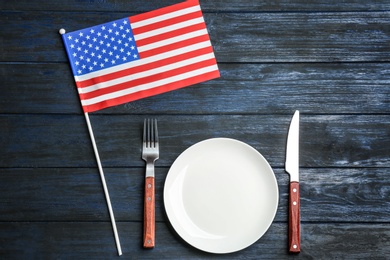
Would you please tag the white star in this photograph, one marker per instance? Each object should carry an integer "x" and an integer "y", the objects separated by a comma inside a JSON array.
[
  {"x": 79, "y": 48},
  {"x": 88, "y": 37},
  {"x": 106, "y": 60},
  {"x": 108, "y": 44},
  {"x": 113, "y": 61},
  {"x": 126, "y": 44},
  {"x": 124, "y": 22},
  {"x": 99, "y": 34},
  {"x": 80, "y": 34},
  {"x": 122, "y": 50},
  {"x": 93, "y": 54},
  {"x": 74, "y": 54},
  {"x": 119, "y": 41},
  {"x": 112, "y": 39},
  {"x": 117, "y": 57},
  {"x": 77, "y": 63},
  {"x": 101, "y": 65},
  {"x": 90, "y": 45},
  {"x": 132, "y": 47},
  {"x": 85, "y": 51},
  {"x": 135, "y": 56},
  {"x": 83, "y": 42},
  {"x": 104, "y": 51},
  {"x": 81, "y": 57},
  {"x": 105, "y": 36},
  {"x": 76, "y": 40},
  {"x": 101, "y": 42},
  {"x": 121, "y": 27},
  {"x": 116, "y": 33},
  {"x": 99, "y": 56},
  {"x": 83, "y": 66},
  {"x": 124, "y": 58},
  {"x": 79, "y": 71},
  {"x": 92, "y": 31},
  {"x": 88, "y": 60},
  {"x": 114, "y": 24},
  {"x": 128, "y": 53},
  {"x": 72, "y": 46},
  {"x": 130, "y": 39},
  {"x": 97, "y": 48},
  {"x": 110, "y": 30},
  {"x": 127, "y": 30},
  {"x": 90, "y": 68},
  {"x": 94, "y": 63},
  {"x": 110, "y": 53},
  {"x": 115, "y": 48},
  {"x": 94, "y": 39},
  {"x": 103, "y": 28},
  {"x": 70, "y": 37},
  {"x": 123, "y": 36}
]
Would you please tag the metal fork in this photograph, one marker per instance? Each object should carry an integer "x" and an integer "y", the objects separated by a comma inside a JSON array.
[{"x": 150, "y": 153}]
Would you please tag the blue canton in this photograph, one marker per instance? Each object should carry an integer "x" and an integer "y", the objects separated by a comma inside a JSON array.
[{"x": 100, "y": 47}]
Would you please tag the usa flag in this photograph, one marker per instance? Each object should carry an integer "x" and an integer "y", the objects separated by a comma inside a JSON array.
[{"x": 141, "y": 56}]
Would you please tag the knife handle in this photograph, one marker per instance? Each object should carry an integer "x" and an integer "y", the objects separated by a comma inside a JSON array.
[
  {"x": 149, "y": 214},
  {"x": 294, "y": 219}
]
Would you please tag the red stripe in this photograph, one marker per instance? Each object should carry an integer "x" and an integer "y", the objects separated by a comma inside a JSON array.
[
  {"x": 144, "y": 67},
  {"x": 174, "y": 46},
  {"x": 152, "y": 92},
  {"x": 164, "y": 10},
  {"x": 171, "y": 34},
  {"x": 149, "y": 79},
  {"x": 168, "y": 22}
]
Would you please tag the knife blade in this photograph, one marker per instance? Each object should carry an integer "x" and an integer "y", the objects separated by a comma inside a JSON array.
[{"x": 292, "y": 167}]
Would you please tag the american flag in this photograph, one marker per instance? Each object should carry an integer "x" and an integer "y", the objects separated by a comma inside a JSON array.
[{"x": 141, "y": 56}]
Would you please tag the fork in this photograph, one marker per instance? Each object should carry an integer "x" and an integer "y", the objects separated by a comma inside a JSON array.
[{"x": 150, "y": 153}]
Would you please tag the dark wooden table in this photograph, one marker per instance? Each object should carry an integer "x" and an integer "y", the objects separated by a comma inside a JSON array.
[{"x": 328, "y": 59}]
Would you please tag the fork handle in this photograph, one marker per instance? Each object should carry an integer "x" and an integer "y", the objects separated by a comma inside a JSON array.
[{"x": 149, "y": 215}]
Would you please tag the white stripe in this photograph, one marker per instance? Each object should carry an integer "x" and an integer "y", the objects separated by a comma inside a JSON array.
[
  {"x": 149, "y": 85},
  {"x": 146, "y": 73},
  {"x": 136, "y": 63},
  {"x": 165, "y": 16},
  {"x": 169, "y": 28},
  {"x": 173, "y": 40}
]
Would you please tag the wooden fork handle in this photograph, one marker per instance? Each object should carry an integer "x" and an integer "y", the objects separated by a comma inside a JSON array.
[
  {"x": 149, "y": 215},
  {"x": 294, "y": 224}
]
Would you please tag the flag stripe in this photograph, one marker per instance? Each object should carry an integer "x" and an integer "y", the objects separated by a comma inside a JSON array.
[
  {"x": 165, "y": 29},
  {"x": 108, "y": 74},
  {"x": 143, "y": 81},
  {"x": 164, "y": 13},
  {"x": 170, "y": 37},
  {"x": 149, "y": 85},
  {"x": 164, "y": 23},
  {"x": 146, "y": 70},
  {"x": 171, "y": 49}
]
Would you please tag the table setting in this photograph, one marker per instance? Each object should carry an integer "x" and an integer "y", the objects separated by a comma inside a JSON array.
[{"x": 195, "y": 130}]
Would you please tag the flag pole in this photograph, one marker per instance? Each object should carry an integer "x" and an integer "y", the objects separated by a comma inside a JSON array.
[
  {"x": 118, "y": 244},
  {"x": 103, "y": 179}
]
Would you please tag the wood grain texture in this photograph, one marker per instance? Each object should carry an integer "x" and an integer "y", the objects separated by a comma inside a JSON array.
[
  {"x": 210, "y": 6},
  {"x": 331, "y": 195},
  {"x": 328, "y": 59},
  {"x": 316, "y": 88},
  {"x": 258, "y": 37},
  {"x": 149, "y": 213},
  {"x": 294, "y": 219},
  {"x": 326, "y": 140},
  {"x": 90, "y": 240}
]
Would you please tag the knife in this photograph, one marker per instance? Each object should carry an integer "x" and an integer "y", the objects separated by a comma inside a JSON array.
[{"x": 292, "y": 167}]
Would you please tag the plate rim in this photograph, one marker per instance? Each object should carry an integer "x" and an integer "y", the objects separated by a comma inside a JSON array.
[{"x": 165, "y": 196}]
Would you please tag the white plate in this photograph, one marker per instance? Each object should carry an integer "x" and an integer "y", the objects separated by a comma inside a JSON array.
[{"x": 221, "y": 195}]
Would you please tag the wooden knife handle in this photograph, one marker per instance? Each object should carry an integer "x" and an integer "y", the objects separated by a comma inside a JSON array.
[
  {"x": 294, "y": 227},
  {"x": 149, "y": 215}
]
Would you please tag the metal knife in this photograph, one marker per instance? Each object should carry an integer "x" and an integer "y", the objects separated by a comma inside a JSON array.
[{"x": 292, "y": 167}]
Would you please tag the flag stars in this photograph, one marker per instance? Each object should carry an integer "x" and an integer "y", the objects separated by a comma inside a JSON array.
[{"x": 101, "y": 46}]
